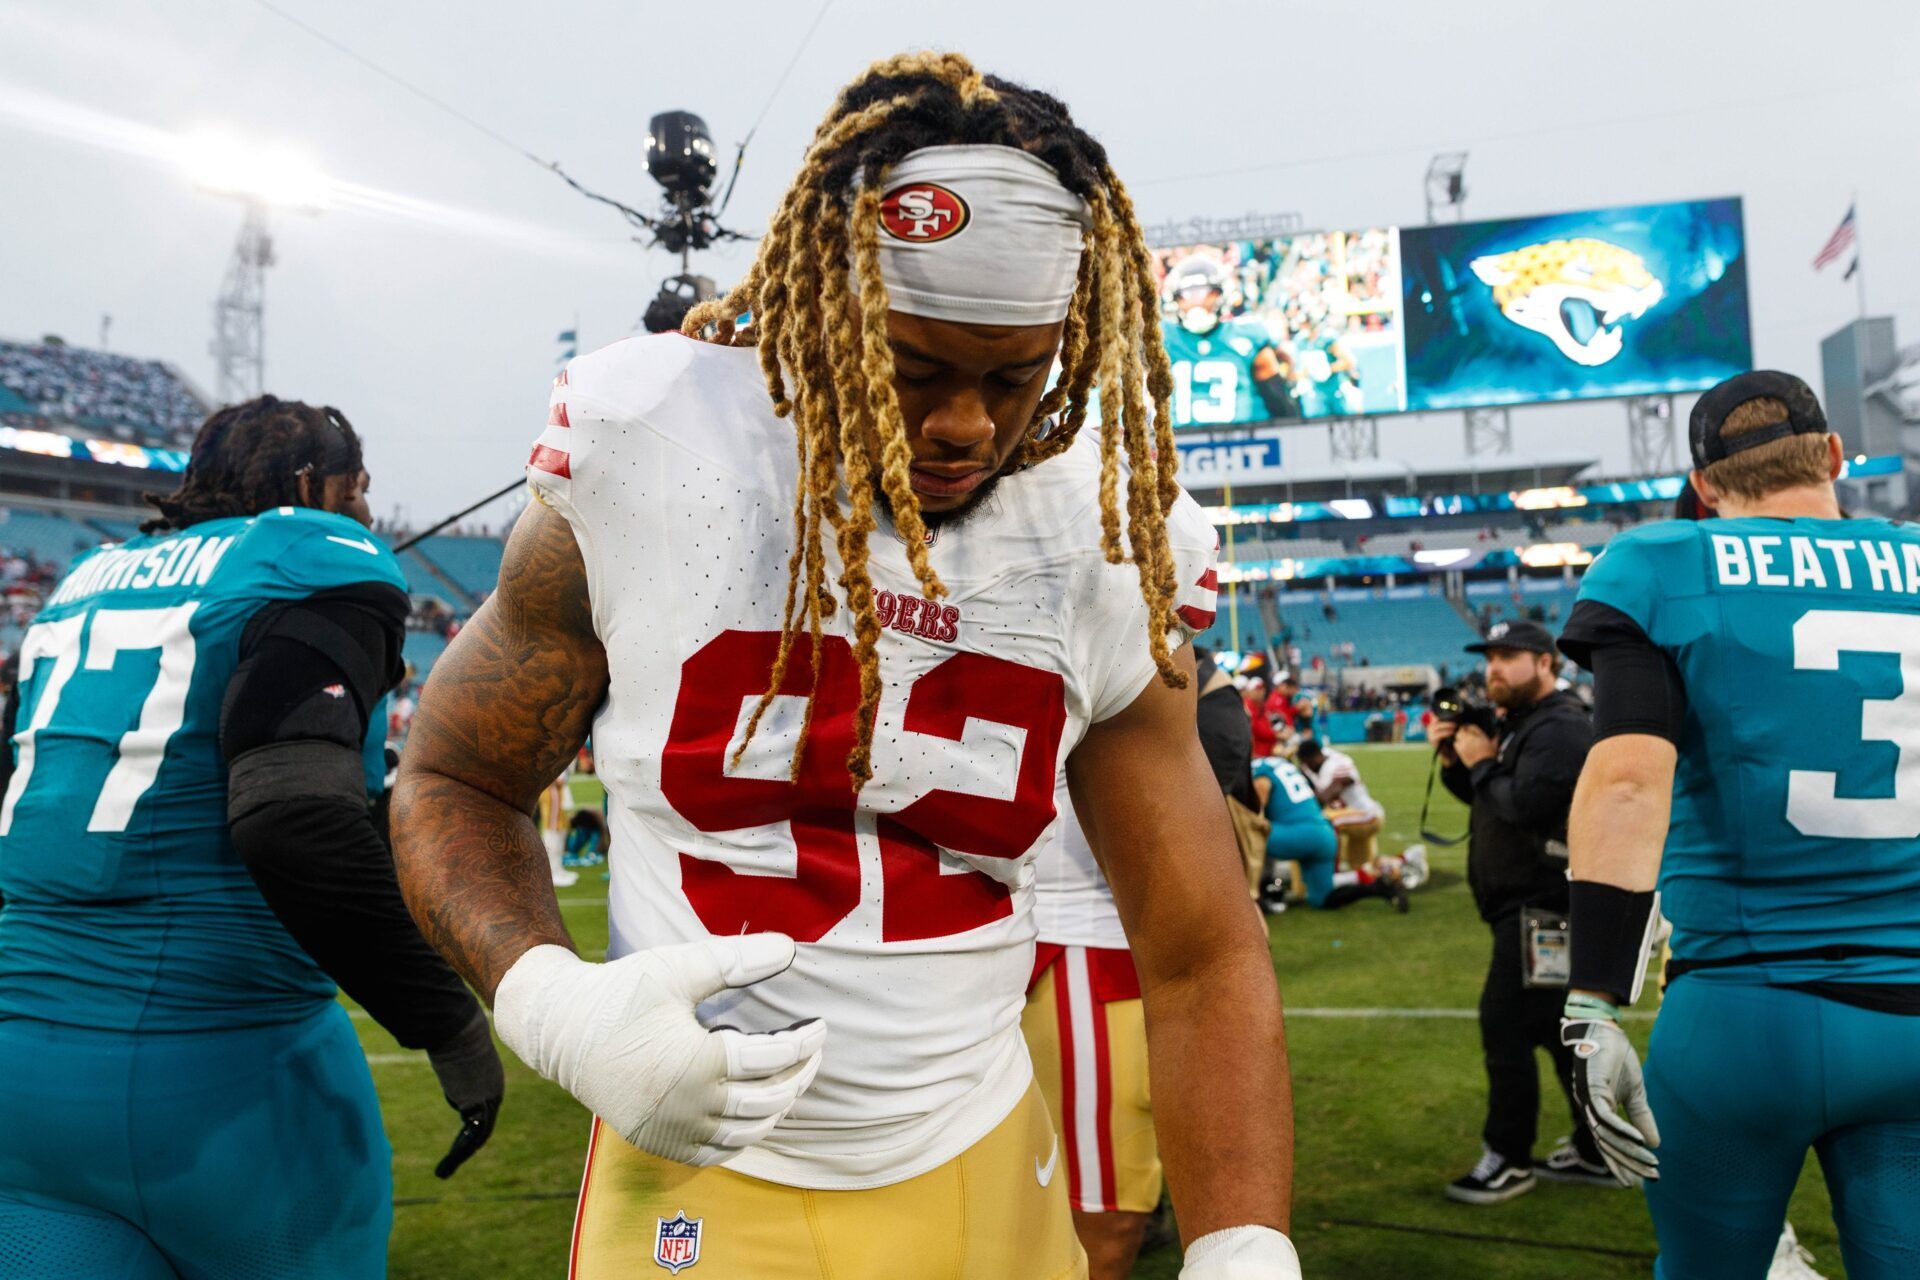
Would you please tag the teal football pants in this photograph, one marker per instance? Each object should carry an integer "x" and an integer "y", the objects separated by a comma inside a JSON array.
[
  {"x": 1314, "y": 846},
  {"x": 1743, "y": 1080},
  {"x": 251, "y": 1154}
]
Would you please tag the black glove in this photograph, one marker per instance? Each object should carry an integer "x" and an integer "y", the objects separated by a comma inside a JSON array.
[{"x": 473, "y": 1082}]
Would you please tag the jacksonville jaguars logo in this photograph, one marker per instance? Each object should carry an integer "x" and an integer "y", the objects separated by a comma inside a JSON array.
[{"x": 1576, "y": 293}]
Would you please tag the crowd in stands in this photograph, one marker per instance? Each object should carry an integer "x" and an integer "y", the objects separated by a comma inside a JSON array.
[{"x": 139, "y": 400}]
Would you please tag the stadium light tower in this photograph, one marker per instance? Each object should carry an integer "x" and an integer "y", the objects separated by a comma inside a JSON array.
[
  {"x": 239, "y": 313},
  {"x": 1650, "y": 435},
  {"x": 1447, "y": 186},
  {"x": 260, "y": 181}
]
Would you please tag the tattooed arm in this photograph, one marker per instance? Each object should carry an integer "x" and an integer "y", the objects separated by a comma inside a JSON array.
[{"x": 510, "y": 702}]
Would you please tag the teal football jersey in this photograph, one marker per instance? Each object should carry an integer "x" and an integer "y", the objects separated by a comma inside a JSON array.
[
  {"x": 1291, "y": 800},
  {"x": 1796, "y": 808},
  {"x": 1213, "y": 372},
  {"x": 127, "y": 907},
  {"x": 1322, "y": 390}
]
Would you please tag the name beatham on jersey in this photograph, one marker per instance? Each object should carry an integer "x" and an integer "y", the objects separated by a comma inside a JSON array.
[
  {"x": 1794, "y": 560},
  {"x": 174, "y": 562}
]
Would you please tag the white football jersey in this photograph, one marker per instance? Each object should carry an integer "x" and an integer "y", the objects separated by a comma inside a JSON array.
[
  {"x": 1337, "y": 767},
  {"x": 912, "y": 902},
  {"x": 1072, "y": 901}
]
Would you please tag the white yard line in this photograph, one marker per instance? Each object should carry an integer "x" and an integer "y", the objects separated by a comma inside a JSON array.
[{"x": 1325, "y": 1011}]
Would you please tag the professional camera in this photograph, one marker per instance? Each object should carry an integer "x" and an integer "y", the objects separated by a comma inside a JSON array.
[
  {"x": 1458, "y": 704},
  {"x": 1455, "y": 704}
]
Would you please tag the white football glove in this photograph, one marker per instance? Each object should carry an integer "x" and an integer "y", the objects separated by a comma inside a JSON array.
[
  {"x": 622, "y": 1038},
  {"x": 1606, "y": 1080},
  {"x": 1241, "y": 1253}
]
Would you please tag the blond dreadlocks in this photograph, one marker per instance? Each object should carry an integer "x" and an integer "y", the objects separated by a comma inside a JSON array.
[{"x": 829, "y": 368}]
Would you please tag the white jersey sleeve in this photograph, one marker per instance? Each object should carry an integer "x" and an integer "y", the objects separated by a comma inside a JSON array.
[
  {"x": 1121, "y": 659},
  {"x": 1072, "y": 901}
]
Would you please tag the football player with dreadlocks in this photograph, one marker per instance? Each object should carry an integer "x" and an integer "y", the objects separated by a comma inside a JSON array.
[
  {"x": 805, "y": 1053},
  {"x": 190, "y": 865},
  {"x": 1220, "y": 363}
]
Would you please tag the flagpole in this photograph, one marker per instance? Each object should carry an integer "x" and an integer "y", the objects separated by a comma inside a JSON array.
[{"x": 1859, "y": 258}]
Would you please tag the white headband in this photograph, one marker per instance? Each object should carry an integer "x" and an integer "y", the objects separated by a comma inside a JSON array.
[{"x": 981, "y": 235}]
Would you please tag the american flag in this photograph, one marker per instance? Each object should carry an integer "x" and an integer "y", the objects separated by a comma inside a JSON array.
[{"x": 1837, "y": 243}]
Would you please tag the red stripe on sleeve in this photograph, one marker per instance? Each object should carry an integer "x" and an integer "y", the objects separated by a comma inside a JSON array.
[
  {"x": 551, "y": 461},
  {"x": 557, "y": 414}
]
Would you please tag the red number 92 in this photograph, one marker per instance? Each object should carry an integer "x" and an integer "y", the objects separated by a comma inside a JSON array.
[{"x": 918, "y": 900}]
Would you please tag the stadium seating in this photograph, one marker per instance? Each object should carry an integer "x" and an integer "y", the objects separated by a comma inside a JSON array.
[
  {"x": 472, "y": 563},
  {"x": 116, "y": 530},
  {"x": 1406, "y": 625},
  {"x": 142, "y": 401},
  {"x": 1549, "y": 602},
  {"x": 422, "y": 648},
  {"x": 45, "y": 537}
]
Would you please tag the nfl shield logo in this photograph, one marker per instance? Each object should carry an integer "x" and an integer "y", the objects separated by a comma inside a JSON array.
[{"x": 677, "y": 1243}]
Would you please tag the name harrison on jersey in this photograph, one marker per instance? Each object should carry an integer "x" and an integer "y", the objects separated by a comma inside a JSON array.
[{"x": 915, "y": 616}]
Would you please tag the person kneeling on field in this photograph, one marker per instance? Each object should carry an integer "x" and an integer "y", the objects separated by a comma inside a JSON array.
[
  {"x": 1301, "y": 833},
  {"x": 1356, "y": 816}
]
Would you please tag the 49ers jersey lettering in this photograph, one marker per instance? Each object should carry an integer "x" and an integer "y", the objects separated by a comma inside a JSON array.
[{"x": 819, "y": 807}]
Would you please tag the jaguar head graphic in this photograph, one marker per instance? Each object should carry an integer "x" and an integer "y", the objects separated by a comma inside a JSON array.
[{"x": 1575, "y": 293}]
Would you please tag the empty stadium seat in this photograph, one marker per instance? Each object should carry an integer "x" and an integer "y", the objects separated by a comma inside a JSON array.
[
  {"x": 421, "y": 648},
  {"x": 1406, "y": 625},
  {"x": 44, "y": 536},
  {"x": 472, "y": 563}
]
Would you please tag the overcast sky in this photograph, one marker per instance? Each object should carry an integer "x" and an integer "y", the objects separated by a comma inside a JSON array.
[{"x": 435, "y": 332}]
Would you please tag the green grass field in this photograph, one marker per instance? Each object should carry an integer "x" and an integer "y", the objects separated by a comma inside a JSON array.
[{"x": 1388, "y": 1108}]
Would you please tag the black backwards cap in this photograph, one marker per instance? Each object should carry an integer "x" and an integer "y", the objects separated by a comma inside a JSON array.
[{"x": 1804, "y": 415}]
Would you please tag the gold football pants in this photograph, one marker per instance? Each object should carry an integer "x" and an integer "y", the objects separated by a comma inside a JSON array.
[{"x": 986, "y": 1214}]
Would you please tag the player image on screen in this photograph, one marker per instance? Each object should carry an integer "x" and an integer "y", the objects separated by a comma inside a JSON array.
[
  {"x": 1296, "y": 327},
  {"x": 1225, "y": 369},
  {"x": 1323, "y": 370}
]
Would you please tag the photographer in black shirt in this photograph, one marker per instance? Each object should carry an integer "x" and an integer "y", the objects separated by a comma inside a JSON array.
[{"x": 1515, "y": 763}]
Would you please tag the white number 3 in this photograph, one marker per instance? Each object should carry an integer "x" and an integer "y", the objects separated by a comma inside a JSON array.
[{"x": 1819, "y": 638}]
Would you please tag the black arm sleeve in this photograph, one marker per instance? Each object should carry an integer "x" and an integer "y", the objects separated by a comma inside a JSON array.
[
  {"x": 1457, "y": 778},
  {"x": 1226, "y": 735},
  {"x": 1537, "y": 793},
  {"x": 292, "y": 726},
  {"x": 1636, "y": 686},
  {"x": 9, "y": 715}
]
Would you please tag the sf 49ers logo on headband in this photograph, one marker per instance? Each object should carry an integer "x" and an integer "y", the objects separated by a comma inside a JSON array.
[{"x": 923, "y": 212}]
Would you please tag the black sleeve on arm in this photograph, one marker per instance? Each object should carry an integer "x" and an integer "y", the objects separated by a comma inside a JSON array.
[
  {"x": 1226, "y": 735},
  {"x": 1537, "y": 793},
  {"x": 1636, "y": 686},
  {"x": 9, "y": 715},
  {"x": 292, "y": 727}
]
